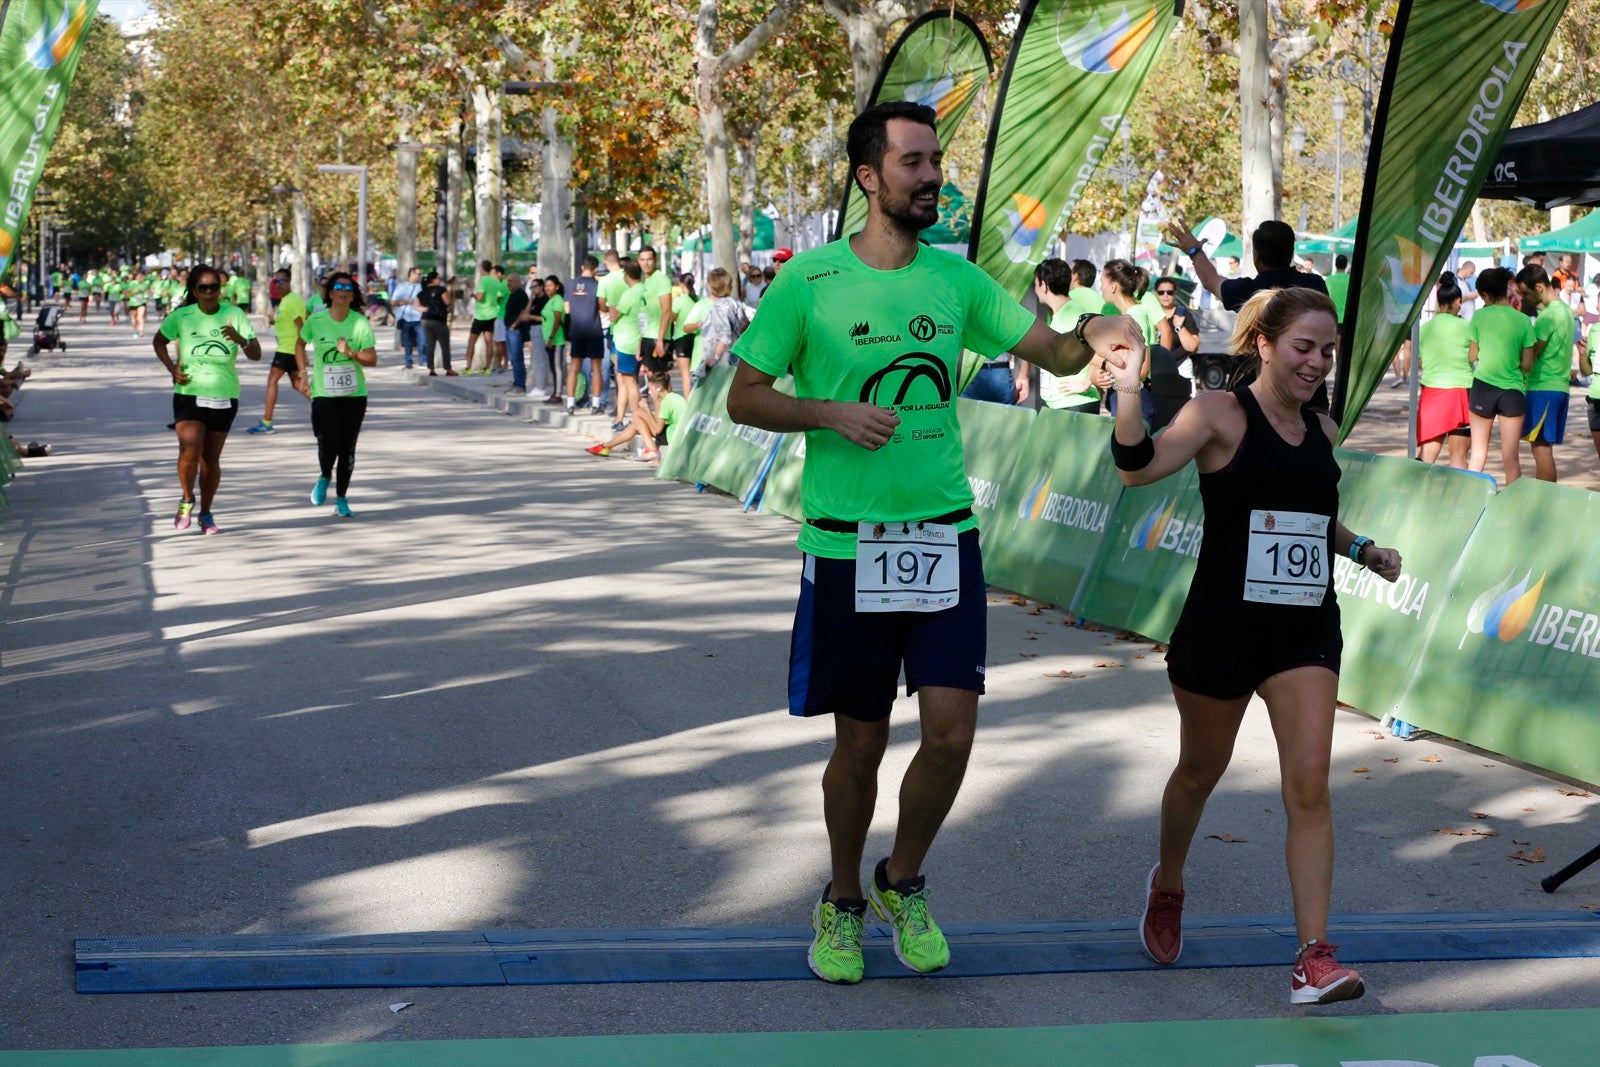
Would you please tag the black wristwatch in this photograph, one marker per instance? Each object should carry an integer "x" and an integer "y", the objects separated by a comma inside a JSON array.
[{"x": 1077, "y": 331}]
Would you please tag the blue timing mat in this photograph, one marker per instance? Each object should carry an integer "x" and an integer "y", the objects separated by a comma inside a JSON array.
[{"x": 754, "y": 954}]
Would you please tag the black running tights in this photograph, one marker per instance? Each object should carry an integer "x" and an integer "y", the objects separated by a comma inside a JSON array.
[{"x": 336, "y": 420}]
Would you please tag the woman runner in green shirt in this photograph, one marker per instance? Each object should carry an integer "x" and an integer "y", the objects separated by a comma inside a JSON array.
[{"x": 331, "y": 375}]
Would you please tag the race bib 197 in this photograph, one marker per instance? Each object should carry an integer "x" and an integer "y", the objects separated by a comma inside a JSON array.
[
  {"x": 1287, "y": 560},
  {"x": 907, "y": 566}
]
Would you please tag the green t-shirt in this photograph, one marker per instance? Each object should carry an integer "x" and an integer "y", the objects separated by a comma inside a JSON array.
[
  {"x": 553, "y": 307},
  {"x": 1444, "y": 352},
  {"x": 489, "y": 298},
  {"x": 1054, "y": 390},
  {"x": 625, "y": 331},
  {"x": 1339, "y": 291},
  {"x": 697, "y": 314},
  {"x": 655, "y": 287},
  {"x": 137, "y": 293},
  {"x": 175, "y": 290},
  {"x": 1556, "y": 327},
  {"x": 55, "y": 279},
  {"x": 1502, "y": 332},
  {"x": 611, "y": 287},
  {"x": 332, "y": 373},
  {"x": 290, "y": 308},
  {"x": 891, "y": 338},
  {"x": 208, "y": 358},
  {"x": 238, "y": 290},
  {"x": 673, "y": 408},
  {"x": 1594, "y": 379},
  {"x": 681, "y": 303},
  {"x": 1086, "y": 300},
  {"x": 1148, "y": 319}
]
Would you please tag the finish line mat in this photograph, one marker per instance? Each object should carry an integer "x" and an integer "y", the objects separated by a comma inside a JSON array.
[
  {"x": 1468, "y": 1039},
  {"x": 747, "y": 954}
]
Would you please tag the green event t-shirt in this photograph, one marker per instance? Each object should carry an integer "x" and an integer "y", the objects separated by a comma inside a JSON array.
[
  {"x": 291, "y": 307},
  {"x": 1444, "y": 352},
  {"x": 207, "y": 357},
  {"x": 1148, "y": 319},
  {"x": 891, "y": 338},
  {"x": 331, "y": 372},
  {"x": 1086, "y": 300},
  {"x": 1502, "y": 332},
  {"x": 1552, "y": 369},
  {"x": 1054, "y": 392},
  {"x": 655, "y": 287},
  {"x": 681, "y": 303},
  {"x": 137, "y": 293},
  {"x": 611, "y": 287},
  {"x": 554, "y": 306},
  {"x": 238, "y": 290},
  {"x": 1338, "y": 285},
  {"x": 625, "y": 331},
  {"x": 115, "y": 289},
  {"x": 1594, "y": 379},
  {"x": 673, "y": 408},
  {"x": 489, "y": 298},
  {"x": 697, "y": 314}
]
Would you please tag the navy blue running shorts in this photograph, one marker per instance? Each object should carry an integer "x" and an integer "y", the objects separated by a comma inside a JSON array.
[{"x": 846, "y": 662}]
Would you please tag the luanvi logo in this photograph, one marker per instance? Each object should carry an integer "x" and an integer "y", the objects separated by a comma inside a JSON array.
[
  {"x": 907, "y": 370},
  {"x": 860, "y": 329}
]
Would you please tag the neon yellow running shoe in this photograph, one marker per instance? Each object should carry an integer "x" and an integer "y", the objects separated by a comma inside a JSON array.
[
  {"x": 835, "y": 954},
  {"x": 918, "y": 941}
]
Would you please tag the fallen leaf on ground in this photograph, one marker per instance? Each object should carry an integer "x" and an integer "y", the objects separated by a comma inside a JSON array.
[
  {"x": 1158, "y": 648},
  {"x": 1229, "y": 838},
  {"x": 1019, "y": 601},
  {"x": 1092, "y": 628},
  {"x": 1480, "y": 815},
  {"x": 1037, "y": 609},
  {"x": 1391, "y": 759},
  {"x": 1379, "y": 734},
  {"x": 1590, "y": 907},
  {"x": 1107, "y": 644},
  {"x": 1514, "y": 841},
  {"x": 1471, "y": 831},
  {"x": 1573, "y": 792},
  {"x": 1033, "y": 639},
  {"x": 1429, "y": 759},
  {"x": 1536, "y": 856},
  {"x": 1361, "y": 770},
  {"x": 1028, "y": 655},
  {"x": 1138, "y": 655},
  {"x": 1529, "y": 809},
  {"x": 1106, "y": 663},
  {"x": 1488, "y": 765},
  {"x": 1063, "y": 674}
]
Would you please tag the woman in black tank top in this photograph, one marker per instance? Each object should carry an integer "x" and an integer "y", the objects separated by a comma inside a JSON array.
[{"x": 1261, "y": 616}]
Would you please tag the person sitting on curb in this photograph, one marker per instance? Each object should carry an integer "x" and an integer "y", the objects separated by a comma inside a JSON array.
[{"x": 651, "y": 427}]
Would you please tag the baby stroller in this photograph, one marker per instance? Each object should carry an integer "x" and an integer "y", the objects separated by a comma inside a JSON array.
[{"x": 47, "y": 331}]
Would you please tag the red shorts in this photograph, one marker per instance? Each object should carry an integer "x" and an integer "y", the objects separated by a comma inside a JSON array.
[{"x": 1440, "y": 411}]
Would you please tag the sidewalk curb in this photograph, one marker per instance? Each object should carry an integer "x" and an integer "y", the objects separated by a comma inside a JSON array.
[{"x": 537, "y": 412}]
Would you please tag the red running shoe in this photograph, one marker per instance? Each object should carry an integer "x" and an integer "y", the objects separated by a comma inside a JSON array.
[
  {"x": 598, "y": 450},
  {"x": 1161, "y": 932},
  {"x": 1318, "y": 978}
]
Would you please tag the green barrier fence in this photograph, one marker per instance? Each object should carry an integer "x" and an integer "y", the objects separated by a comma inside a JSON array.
[
  {"x": 1054, "y": 507},
  {"x": 781, "y": 493},
  {"x": 1140, "y": 574},
  {"x": 713, "y": 449},
  {"x": 1513, "y": 661},
  {"x": 1427, "y": 514},
  {"x": 990, "y": 436}
]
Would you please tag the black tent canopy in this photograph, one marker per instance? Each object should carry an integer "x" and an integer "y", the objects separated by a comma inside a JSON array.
[{"x": 1550, "y": 164}]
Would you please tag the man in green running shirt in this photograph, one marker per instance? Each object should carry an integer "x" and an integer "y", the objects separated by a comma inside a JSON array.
[{"x": 873, "y": 327}]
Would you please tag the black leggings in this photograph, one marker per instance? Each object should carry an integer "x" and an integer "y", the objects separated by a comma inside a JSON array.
[
  {"x": 436, "y": 334},
  {"x": 336, "y": 420}
]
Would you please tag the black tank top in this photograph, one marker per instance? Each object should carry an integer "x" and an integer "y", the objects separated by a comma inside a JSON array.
[{"x": 1267, "y": 485}]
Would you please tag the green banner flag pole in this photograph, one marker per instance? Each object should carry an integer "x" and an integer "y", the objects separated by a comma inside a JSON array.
[
  {"x": 1073, "y": 70},
  {"x": 941, "y": 60},
  {"x": 1455, "y": 74},
  {"x": 40, "y": 41}
]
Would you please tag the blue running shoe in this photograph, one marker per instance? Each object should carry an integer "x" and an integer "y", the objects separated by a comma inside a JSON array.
[
  {"x": 319, "y": 492},
  {"x": 261, "y": 427},
  {"x": 341, "y": 507}
]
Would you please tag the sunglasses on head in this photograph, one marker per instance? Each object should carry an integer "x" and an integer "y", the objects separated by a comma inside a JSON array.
[{"x": 343, "y": 287}]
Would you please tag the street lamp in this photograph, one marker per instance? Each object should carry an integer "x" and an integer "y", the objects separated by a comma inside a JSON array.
[{"x": 361, "y": 215}]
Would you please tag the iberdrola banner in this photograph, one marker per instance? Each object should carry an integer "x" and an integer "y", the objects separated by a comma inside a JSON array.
[
  {"x": 39, "y": 45},
  {"x": 1457, "y": 70},
  {"x": 1074, "y": 68},
  {"x": 941, "y": 60}
]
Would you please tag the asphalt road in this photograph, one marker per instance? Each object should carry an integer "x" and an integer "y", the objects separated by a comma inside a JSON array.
[{"x": 528, "y": 688}]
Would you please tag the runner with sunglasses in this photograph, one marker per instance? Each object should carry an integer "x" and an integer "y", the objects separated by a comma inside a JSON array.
[
  {"x": 205, "y": 386},
  {"x": 342, "y": 343}
]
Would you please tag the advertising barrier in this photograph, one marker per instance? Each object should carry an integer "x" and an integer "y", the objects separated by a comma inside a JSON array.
[
  {"x": 1058, "y": 498},
  {"x": 1513, "y": 662},
  {"x": 1427, "y": 514},
  {"x": 990, "y": 436},
  {"x": 1140, "y": 575},
  {"x": 713, "y": 449},
  {"x": 781, "y": 493}
]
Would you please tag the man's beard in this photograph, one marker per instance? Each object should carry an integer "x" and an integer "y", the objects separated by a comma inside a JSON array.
[{"x": 909, "y": 215}]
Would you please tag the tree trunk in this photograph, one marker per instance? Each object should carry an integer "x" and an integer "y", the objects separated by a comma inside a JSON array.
[
  {"x": 866, "y": 26},
  {"x": 555, "y": 212},
  {"x": 749, "y": 189},
  {"x": 1255, "y": 120},
  {"x": 486, "y": 175},
  {"x": 714, "y": 132},
  {"x": 1275, "y": 133},
  {"x": 405, "y": 223},
  {"x": 262, "y": 302},
  {"x": 300, "y": 271},
  {"x": 455, "y": 169}
]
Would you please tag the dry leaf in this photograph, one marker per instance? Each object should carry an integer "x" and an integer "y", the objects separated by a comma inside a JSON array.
[
  {"x": 1471, "y": 831},
  {"x": 1514, "y": 841},
  {"x": 1158, "y": 648},
  {"x": 1488, "y": 765},
  {"x": 1379, "y": 734},
  {"x": 1229, "y": 838},
  {"x": 1391, "y": 759},
  {"x": 1590, "y": 907},
  {"x": 1429, "y": 759},
  {"x": 1092, "y": 628},
  {"x": 1138, "y": 655},
  {"x": 1037, "y": 609},
  {"x": 1530, "y": 809},
  {"x": 1019, "y": 601},
  {"x": 1107, "y": 644},
  {"x": 1063, "y": 674},
  {"x": 1033, "y": 639},
  {"x": 1106, "y": 663},
  {"x": 1536, "y": 856},
  {"x": 1573, "y": 792},
  {"x": 1028, "y": 655},
  {"x": 1361, "y": 770},
  {"x": 1480, "y": 815}
]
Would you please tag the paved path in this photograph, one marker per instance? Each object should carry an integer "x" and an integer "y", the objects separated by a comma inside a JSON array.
[{"x": 525, "y": 688}]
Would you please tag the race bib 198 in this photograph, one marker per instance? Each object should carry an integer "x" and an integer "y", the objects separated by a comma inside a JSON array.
[
  {"x": 1287, "y": 561},
  {"x": 339, "y": 379},
  {"x": 903, "y": 566}
]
